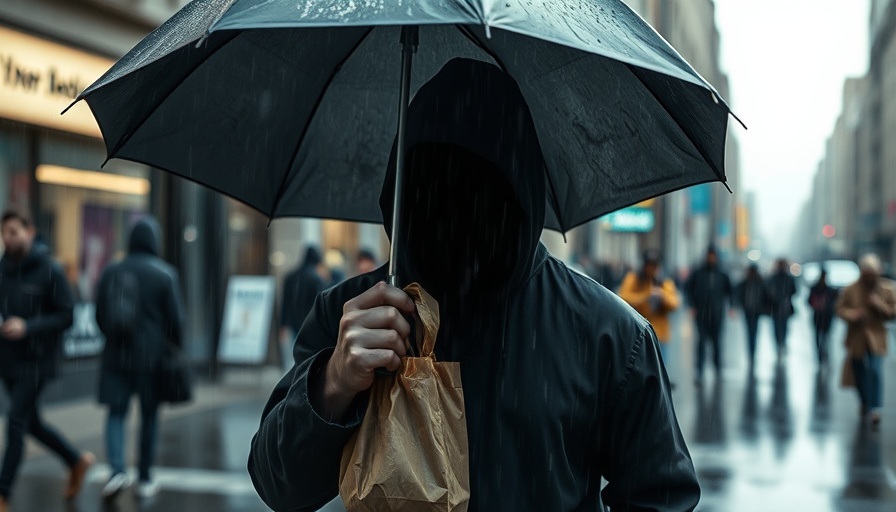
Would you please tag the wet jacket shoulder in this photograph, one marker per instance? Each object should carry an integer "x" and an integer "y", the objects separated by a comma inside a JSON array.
[
  {"x": 36, "y": 290},
  {"x": 576, "y": 392},
  {"x": 160, "y": 311}
]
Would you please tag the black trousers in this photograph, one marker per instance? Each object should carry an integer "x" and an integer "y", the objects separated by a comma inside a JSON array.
[
  {"x": 709, "y": 330},
  {"x": 24, "y": 416}
]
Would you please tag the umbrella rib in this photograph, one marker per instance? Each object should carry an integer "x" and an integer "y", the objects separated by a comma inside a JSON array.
[
  {"x": 700, "y": 150},
  {"x": 555, "y": 202},
  {"x": 320, "y": 97},
  {"x": 465, "y": 30},
  {"x": 124, "y": 140}
]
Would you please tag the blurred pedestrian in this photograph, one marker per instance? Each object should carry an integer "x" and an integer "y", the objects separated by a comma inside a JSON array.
[
  {"x": 300, "y": 288},
  {"x": 752, "y": 297},
  {"x": 708, "y": 290},
  {"x": 366, "y": 261},
  {"x": 139, "y": 310},
  {"x": 781, "y": 289},
  {"x": 653, "y": 296},
  {"x": 822, "y": 300},
  {"x": 865, "y": 306},
  {"x": 36, "y": 307}
]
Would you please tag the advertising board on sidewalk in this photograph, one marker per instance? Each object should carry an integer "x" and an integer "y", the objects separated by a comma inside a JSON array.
[{"x": 246, "y": 329}]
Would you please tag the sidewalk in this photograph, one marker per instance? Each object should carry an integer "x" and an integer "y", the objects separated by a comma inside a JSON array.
[{"x": 201, "y": 455}]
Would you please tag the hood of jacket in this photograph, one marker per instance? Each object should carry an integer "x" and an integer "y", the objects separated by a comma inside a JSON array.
[
  {"x": 474, "y": 182},
  {"x": 145, "y": 237}
]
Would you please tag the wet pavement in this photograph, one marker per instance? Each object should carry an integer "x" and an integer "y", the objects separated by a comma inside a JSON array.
[{"x": 789, "y": 439}]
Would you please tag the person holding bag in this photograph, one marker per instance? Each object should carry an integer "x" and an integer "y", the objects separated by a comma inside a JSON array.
[
  {"x": 866, "y": 306},
  {"x": 562, "y": 381},
  {"x": 139, "y": 310},
  {"x": 653, "y": 296}
]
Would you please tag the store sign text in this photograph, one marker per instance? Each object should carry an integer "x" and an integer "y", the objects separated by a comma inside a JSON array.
[
  {"x": 19, "y": 76},
  {"x": 39, "y": 79}
]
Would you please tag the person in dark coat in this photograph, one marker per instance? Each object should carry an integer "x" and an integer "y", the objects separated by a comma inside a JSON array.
[
  {"x": 752, "y": 297},
  {"x": 300, "y": 288},
  {"x": 36, "y": 308},
  {"x": 823, "y": 301},
  {"x": 708, "y": 290},
  {"x": 130, "y": 366},
  {"x": 781, "y": 289},
  {"x": 556, "y": 396}
]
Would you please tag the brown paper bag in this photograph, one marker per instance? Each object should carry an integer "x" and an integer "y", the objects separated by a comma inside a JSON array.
[{"x": 410, "y": 452}]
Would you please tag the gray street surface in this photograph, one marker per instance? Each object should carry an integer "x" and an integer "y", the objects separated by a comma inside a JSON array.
[{"x": 788, "y": 439}]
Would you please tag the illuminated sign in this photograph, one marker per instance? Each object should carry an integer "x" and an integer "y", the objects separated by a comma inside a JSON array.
[
  {"x": 38, "y": 79},
  {"x": 631, "y": 219}
]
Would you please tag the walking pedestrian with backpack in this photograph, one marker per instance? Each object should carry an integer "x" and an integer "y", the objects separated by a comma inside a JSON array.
[
  {"x": 139, "y": 312},
  {"x": 36, "y": 308},
  {"x": 823, "y": 301}
]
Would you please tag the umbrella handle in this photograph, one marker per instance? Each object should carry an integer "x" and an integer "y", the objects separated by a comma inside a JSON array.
[{"x": 410, "y": 39}]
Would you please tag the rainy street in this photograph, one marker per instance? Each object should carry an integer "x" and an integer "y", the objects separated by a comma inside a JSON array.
[
  {"x": 790, "y": 438},
  {"x": 446, "y": 254}
]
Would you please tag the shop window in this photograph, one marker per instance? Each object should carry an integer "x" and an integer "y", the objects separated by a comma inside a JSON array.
[{"x": 85, "y": 216}]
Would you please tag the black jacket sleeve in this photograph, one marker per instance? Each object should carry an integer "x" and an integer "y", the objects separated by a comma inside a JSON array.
[
  {"x": 295, "y": 455},
  {"x": 644, "y": 456},
  {"x": 57, "y": 311}
]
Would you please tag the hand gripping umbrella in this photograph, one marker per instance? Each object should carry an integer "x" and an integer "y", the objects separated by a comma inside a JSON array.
[{"x": 291, "y": 106}]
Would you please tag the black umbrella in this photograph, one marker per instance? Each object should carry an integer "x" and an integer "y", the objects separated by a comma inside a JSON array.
[{"x": 291, "y": 106}]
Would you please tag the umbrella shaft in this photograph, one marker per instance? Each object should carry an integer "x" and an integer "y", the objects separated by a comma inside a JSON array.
[{"x": 409, "y": 41}]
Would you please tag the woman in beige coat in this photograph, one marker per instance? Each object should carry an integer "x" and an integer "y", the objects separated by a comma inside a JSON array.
[{"x": 865, "y": 306}]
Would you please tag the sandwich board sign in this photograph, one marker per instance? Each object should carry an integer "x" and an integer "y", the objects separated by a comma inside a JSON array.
[{"x": 246, "y": 326}]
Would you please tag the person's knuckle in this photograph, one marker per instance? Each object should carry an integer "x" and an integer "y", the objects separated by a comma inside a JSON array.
[
  {"x": 350, "y": 337},
  {"x": 355, "y": 357},
  {"x": 348, "y": 320},
  {"x": 348, "y": 306}
]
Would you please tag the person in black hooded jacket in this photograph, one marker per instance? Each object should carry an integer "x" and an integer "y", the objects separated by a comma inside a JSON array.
[
  {"x": 130, "y": 363},
  {"x": 300, "y": 288},
  {"x": 36, "y": 306},
  {"x": 563, "y": 383}
]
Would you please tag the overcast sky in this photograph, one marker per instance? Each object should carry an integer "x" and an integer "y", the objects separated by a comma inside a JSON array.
[{"x": 787, "y": 60}]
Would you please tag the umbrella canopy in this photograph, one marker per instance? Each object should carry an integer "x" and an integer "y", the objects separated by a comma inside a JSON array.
[{"x": 291, "y": 106}]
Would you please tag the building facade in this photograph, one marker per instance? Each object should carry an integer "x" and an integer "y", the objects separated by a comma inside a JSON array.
[
  {"x": 51, "y": 166},
  {"x": 852, "y": 209}
]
